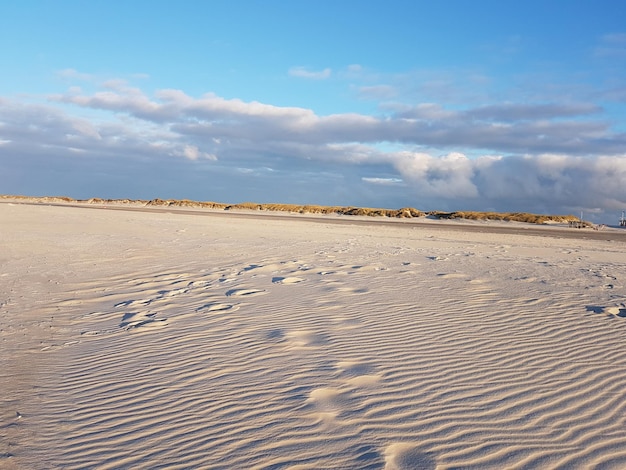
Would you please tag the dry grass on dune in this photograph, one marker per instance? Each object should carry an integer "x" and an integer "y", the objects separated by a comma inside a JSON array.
[
  {"x": 405, "y": 212},
  {"x": 505, "y": 216}
]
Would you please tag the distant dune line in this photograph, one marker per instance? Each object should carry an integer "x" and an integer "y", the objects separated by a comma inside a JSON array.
[
  {"x": 465, "y": 224},
  {"x": 405, "y": 212}
]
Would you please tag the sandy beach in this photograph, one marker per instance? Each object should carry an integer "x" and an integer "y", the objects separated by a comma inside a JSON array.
[{"x": 162, "y": 339}]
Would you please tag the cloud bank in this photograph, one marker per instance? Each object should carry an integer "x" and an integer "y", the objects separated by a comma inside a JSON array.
[{"x": 547, "y": 157}]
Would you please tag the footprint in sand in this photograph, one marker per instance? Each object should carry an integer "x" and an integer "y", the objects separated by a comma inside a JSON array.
[
  {"x": 251, "y": 267},
  {"x": 618, "y": 311},
  {"x": 55, "y": 346},
  {"x": 359, "y": 268},
  {"x": 142, "y": 320},
  {"x": 603, "y": 275},
  {"x": 358, "y": 373},
  {"x": 287, "y": 280},
  {"x": 266, "y": 268},
  {"x": 615, "y": 311},
  {"x": 245, "y": 292},
  {"x": 195, "y": 284},
  {"x": 172, "y": 293},
  {"x": 129, "y": 303},
  {"x": 276, "y": 334},
  {"x": 405, "y": 456},
  {"x": 452, "y": 275},
  {"x": 354, "y": 368},
  {"x": 98, "y": 332},
  {"x": 329, "y": 403},
  {"x": 217, "y": 307}
]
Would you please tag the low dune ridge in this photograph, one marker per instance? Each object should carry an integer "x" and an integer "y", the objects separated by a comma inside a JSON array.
[
  {"x": 162, "y": 340},
  {"x": 405, "y": 212}
]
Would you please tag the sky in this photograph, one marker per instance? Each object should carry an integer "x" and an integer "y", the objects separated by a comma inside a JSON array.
[{"x": 447, "y": 105}]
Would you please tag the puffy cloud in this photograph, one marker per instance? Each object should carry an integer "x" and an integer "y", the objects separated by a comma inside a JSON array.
[
  {"x": 543, "y": 128},
  {"x": 120, "y": 99},
  {"x": 48, "y": 131},
  {"x": 448, "y": 177},
  {"x": 545, "y": 157},
  {"x": 539, "y": 183}
]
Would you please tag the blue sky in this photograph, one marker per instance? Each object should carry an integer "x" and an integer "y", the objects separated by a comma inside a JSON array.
[{"x": 448, "y": 105}]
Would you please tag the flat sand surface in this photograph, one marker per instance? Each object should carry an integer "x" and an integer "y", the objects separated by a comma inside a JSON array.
[{"x": 147, "y": 340}]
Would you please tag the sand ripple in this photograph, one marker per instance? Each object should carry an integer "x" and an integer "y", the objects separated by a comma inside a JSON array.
[{"x": 335, "y": 356}]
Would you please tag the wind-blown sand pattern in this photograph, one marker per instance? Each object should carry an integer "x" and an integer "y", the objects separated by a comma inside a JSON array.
[{"x": 144, "y": 340}]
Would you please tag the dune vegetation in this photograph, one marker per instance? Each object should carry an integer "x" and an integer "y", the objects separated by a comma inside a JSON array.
[
  {"x": 405, "y": 212},
  {"x": 506, "y": 216}
]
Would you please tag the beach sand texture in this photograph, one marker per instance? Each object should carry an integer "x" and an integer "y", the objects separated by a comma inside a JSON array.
[{"x": 144, "y": 340}]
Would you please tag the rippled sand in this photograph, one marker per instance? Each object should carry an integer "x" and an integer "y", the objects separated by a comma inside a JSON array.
[{"x": 163, "y": 340}]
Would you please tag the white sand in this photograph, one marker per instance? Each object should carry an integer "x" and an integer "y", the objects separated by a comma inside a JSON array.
[{"x": 142, "y": 340}]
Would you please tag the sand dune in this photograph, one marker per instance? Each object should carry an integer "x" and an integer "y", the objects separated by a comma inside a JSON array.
[{"x": 147, "y": 340}]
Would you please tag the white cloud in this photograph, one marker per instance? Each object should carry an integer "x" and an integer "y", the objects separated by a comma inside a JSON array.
[
  {"x": 447, "y": 177},
  {"x": 542, "y": 128},
  {"x": 382, "y": 181},
  {"x": 192, "y": 152},
  {"x": 303, "y": 72},
  {"x": 545, "y": 157},
  {"x": 540, "y": 183}
]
